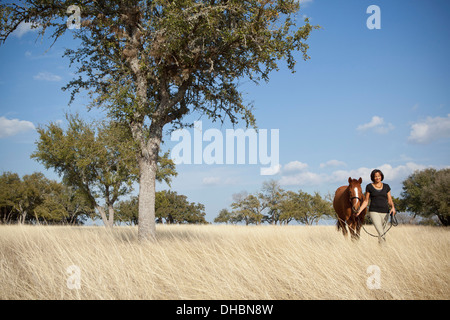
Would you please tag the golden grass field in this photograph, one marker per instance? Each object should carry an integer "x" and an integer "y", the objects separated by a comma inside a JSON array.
[{"x": 221, "y": 262}]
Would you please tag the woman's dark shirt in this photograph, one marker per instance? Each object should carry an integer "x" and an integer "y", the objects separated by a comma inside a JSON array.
[{"x": 378, "y": 198}]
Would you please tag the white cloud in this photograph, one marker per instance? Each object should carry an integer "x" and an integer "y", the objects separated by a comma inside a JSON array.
[
  {"x": 211, "y": 181},
  {"x": 295, "y": 166},
  {"x": 430, "y": 130},
  {"x": 24, "y": 28},
  {"x": 305, "y": 178},
  {"x": 11, "y": 127},
  {"x": 47, "y": 76},
  {"x": 333, "y": 163},
  {"x": 377, "y": 124},
  {"x": 216, "y": 181},
  {"x": 343, "y": 175},
  {"x": 308, "y": 178},
  {"x": 400, "y": 172},
  {"x": 373, "y": 123}
]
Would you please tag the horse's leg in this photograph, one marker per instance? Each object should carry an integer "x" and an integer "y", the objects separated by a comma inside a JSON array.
[{"x": 352, "y": 225}]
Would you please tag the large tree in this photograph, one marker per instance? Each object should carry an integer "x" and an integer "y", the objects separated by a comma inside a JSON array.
[
  {"x": 99, "y": 160},
  {"x": 150, "y": 63},
  {"x": 427, "y": 193},
  {"x": 271, "y": 196},
  {"x": 248, "y": 208},
  {"x": 224, "y": 216},
  {"x": 175, "y": 208}
]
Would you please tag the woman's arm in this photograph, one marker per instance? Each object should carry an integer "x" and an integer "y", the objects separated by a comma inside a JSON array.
[
  {"x": 364, "y": 204},
  {"x": 391, "y": 203}
]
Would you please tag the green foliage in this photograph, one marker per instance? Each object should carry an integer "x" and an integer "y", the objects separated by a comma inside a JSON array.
[
  {"x": 98, "y": 164},
  {"x": 10, "y": 186},
  {"x": 224, "y": 216},
  {"x": 248, "y": 209},
  {"x": 98, "y": 160},
  {"x": 36, "y": 199},
  {"x": 163, "y": 59},
  {"x": 175, "y": 208},
  {"x": 127, "y": 211},
  {"x": 305, "y": 208},
  {"x": 170, "y": 208},
  {"x": 427, "y": 193}
]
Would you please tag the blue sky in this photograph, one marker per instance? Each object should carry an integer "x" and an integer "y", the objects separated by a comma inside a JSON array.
[{"x": 366, "y": 99}]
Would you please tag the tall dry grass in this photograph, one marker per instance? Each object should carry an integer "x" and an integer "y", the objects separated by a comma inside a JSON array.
[{"x": 222, "y": 262}]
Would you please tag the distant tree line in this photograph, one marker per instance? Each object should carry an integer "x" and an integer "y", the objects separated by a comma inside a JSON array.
[
  {"x": 171, "y": 208},
  {"x": 274, "y": 205},
  {"x": 34, "y": 199}
]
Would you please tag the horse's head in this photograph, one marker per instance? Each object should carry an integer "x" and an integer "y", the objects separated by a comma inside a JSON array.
[{"x": 356, "y": 196}]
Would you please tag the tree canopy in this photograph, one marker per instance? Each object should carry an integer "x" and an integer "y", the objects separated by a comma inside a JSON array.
[
  {"x": 99, "y": 160},
  {"x": 151, "y": 63},
  {"x": 171, "y": 208},
  {"x": 427, "y": 193}
]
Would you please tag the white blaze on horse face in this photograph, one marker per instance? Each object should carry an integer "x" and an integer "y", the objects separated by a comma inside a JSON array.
[{"x": 356, "y": 193}]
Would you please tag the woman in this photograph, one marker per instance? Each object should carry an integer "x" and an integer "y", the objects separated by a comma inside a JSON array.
[{"x": 379, "y": 194}]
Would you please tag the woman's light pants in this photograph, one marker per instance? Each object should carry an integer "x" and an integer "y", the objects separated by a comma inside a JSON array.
[{"x": 380, "y": 221}]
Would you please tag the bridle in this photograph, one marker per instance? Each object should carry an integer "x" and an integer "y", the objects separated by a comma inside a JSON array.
[{"x": 351, "y": 199}]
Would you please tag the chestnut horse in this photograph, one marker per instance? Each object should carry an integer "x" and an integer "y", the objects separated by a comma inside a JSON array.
[{"x": 346, "y": 203}]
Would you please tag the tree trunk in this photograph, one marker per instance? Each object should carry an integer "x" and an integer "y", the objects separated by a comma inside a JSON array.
[
  {"x": 36, "y": 217},
  {"x": 108, "y": 221},
  {"x": 8, "y": 217},
  {"x": 111, "y": 215},
  {"x": 23, "y": 214},
  {"x": 445, "y": 220},
  {"x": 146, "y": 226},
  {"x": 147, "y": 187}
]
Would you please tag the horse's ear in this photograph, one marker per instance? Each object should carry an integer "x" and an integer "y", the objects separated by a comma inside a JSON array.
[
  {"x": 360, "y": 180},
  {"x": 349, "y": 179}
]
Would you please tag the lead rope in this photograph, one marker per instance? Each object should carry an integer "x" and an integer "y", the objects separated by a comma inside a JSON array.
[{"x": 393, "y": 222}]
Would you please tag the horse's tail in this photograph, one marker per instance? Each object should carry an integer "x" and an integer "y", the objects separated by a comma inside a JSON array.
[{"x": 340, "y": 224}]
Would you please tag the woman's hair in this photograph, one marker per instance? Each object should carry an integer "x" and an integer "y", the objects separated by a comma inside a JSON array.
[{"x": 372, "y": 175}]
